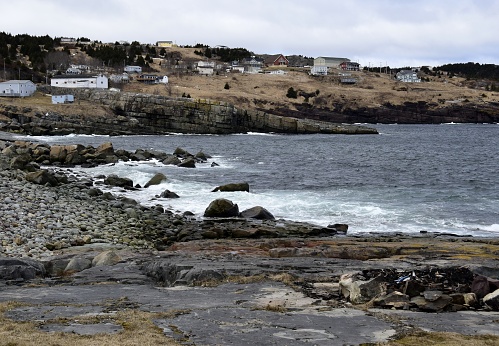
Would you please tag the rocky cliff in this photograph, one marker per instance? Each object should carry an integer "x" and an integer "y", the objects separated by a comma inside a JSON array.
[{"x": 131, "y": 113}]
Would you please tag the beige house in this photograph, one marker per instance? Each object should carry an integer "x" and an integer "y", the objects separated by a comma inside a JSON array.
[
  {"x": 165, "y": 44},
  {"x": 329, "y": 62}
]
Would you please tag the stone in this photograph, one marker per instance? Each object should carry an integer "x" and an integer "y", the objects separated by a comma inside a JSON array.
[
  {"x": 106, "y": 258},
  {"x": 105, "y": 148},
  {"x": 259, "y": 213},
  {"x": 20, "y": 161},
  {"x": 222, "y": 208},
  {"x": 77, "y": 264},
  {"x": 359, "y": 291},
  {"x": 114, "y": 180},
  {"x": 16, "y": 268},
  {"x": 157, "y": 179},
  {"x": 339, "y": 227},
  {"x": 437, "y": 303},
  {"x": 492, "y": 300},
  {"x": 395, "y": 300},
  {"x": 42, "y": 177},
  {"x": 171, "y": 160},
  {"x": 232, "y": 187},
  {"x": 181, "y": 152},
  {"x": 168, "y": 194},
  {"x": 188, "y": 163}
]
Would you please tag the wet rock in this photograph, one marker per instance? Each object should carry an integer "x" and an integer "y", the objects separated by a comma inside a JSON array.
[
  {"x": 259, "y": 213},
  {"x": 339, "y": 227},
  {"x": 105, "y": 148},
  {"x": 188, "y": 163},
  {"x": 168, "y": 194},
  {"x": 114, "y": 180},
  {"x": 171, "y": 160},
  {"x": 181, "y": 152},
  {"x": 222, "y": 208},
  {"x": 157, "y": 179},
  {"x": 232, "y": 187},
  {"x": 491, "y": 300}
]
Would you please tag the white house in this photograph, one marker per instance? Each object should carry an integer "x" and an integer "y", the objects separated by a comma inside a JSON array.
[
  {"x": 408, "y": 76},
  {"x": 133, "y": 69},
  {"x": 17, "y": 88},
  {"x": 62, "y": 99},
  {"x": 80, "y": 81},
  {"x": 318, "y": 70},
  {"x": 73, "y": 70},
  {"x": 205, "y": 67}
]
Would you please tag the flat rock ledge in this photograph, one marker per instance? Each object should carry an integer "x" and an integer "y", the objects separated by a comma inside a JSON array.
[{"x": 80, "y": 263}]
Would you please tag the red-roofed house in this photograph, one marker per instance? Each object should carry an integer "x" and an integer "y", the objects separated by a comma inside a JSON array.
[{"x": 276, "y": 60}]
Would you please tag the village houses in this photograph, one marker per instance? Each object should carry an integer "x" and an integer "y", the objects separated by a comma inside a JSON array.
[{"x": 17, "y": 88}]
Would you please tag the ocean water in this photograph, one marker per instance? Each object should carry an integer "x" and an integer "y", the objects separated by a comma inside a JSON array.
[{"x": 409, "y": 178}]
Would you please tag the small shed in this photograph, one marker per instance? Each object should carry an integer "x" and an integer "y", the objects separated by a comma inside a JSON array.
[{"x": 56, "y": 99}]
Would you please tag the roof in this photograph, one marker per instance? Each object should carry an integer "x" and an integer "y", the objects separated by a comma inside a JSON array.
[
  {"x": 332, "y": 58},
  {"x": 273, "y": 58},
  {"x": 17, "y": 81},
  {"x": 74, "y": 76}
]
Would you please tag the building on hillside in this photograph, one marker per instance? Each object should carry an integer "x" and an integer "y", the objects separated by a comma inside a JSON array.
[
  {"x": 68, "y": 40},
  {"x": 206, "y": 68},
  {"x": 152, "y": 79},
  {"x": 17, "y": 88},
  {"x": 408, "y": 76},
  {"x": 120, "y": 78},
  {"x": 252, "y": 65},
  {"x": 165, "y": 44},
  {"x": 56, "y": 99},
  {"x": 276, "y": 60},
  {"x": 330, "y": 62},
  {"x": 132, "y": 69},
  {"x": 73, "y": 70},
  {"x": 80, "y": 81},
  {"x": 350, "y": 66},
  {"x": 318, "y": 70}
]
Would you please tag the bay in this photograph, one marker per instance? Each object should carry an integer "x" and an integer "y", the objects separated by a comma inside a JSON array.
[{"x": 409, "y": 178}]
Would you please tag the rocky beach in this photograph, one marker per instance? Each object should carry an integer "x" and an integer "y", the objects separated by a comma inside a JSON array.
[{"x": 90, "y": 267}]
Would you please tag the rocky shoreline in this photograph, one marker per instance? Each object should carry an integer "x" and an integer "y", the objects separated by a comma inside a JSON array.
[{"x": 59, "y": 233}]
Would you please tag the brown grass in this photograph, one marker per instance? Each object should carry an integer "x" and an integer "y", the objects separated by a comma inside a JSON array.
[
  {"x": 444, "y": 339},
  {"x": 138, "y": 329}
]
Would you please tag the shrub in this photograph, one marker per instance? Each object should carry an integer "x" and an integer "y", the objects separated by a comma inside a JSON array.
[
  {"x": 292, "y": 94},
  {"x": 227, "y": 86}
]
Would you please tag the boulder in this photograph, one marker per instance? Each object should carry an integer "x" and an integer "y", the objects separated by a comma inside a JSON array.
[
  {"x": 42, "y": 177},
  {"x": 20, "y": 161},
  {"x": 58, "y": 153},
  {"x": 105, "y": 148},
  {"x": 359, "y": 291},
  {"x": 259, "y": 213},
  {"x": 339, "y": 227},
  {"x": 221, "y": 208},
  {"x": 106, "y": 258},
  {"x": 171, "y": 160},
  {"x": 492, "y": 300},
  {"x": 156, "y": 180},
  {"x": 202, "y": 156},
  {"x": 232, "y": 187},
  {"x": 168, "y": 194},
  {"x": 188, "y": 163},
  {"x": 17, "y": 268},
  {"x": 78, "y": 264},
  {"x": 395, "y": 300},
  {"x": 181, "y": 152},
  {"x": 114, "y": 180},
  {"x": 433, "y": 301}
]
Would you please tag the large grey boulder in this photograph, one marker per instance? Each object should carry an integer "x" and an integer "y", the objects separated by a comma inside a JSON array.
[
  {"x": 188, "y": 163},
  {"x": 259, "y": 213},
  {"x": 492, "y": 300},
  {"x": 233, "y": 187},
  {"x": 222, "y": 208},
  {"x": 106, "y": 258},
  {"x": 77, "y": 264},
  {"x": 17, "y": 268},
  {"x": 156, "y": 180},
  {"x": 114, "y": 180}
]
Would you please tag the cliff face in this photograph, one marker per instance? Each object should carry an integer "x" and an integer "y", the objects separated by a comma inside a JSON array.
[{"x": 151, "y": 114}]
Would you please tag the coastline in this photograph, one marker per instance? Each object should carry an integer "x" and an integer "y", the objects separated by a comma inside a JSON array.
[{"x": 45, "y": 228}]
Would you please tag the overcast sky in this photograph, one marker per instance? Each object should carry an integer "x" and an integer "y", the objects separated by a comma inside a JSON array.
[{"x": 394, "y": 32}]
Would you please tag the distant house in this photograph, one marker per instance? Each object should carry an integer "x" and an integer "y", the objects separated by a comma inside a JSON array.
[
  {"x": 330, "y": 62},
  {"x": 152, "y": 79},
  {"x": 252, "y": 65},
  {"x": 119, "y": 78},
  {"x": 17, "y": 88},
  {"x": 56, "y": 99},
  {"x": 318, "y": 70},
  {"x": 205, "y": 67},
  {"x": 73, "y": 70},
  {"x": 350, "y": 66},
  {"x": 408, "y": 76},
  {"x": 80, "y": 81},
  {"x": 133, "y": 69},
  {"x": 165, "y": 44},
  {"x": 68, "y": 40},
  {"x": 276, "y": 60}
]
